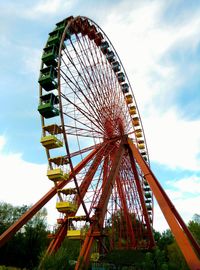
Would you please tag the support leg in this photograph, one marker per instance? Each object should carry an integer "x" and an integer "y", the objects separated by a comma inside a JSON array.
[
  {"x": 178, "y": 232},
  {"x": 141, "y": 196},
  {"x": 98, "y": 218}
]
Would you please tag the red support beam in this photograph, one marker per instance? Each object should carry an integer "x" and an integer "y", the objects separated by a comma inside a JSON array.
[
  {"x": 36, "y": 207},
  {"x": 105, "y": 170},
  {"x": 107, "y": 189},
  {"x": 89, "y": 176},
  {"x": 142, "y": 201},
  {"x": 168, "y": 211},
  {"x": 59, "y": 237},
  {"x": 98, "y": 218},
  {"x": 84, "y": 255},
  {"x": 130, "y": 232}
]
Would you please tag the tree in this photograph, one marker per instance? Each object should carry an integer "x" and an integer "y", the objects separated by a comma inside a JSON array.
[
  {"x": 157, "y": 236},
  {"x": 68, "y": 251},
  {"x": 24, "y": 248},
  {"x": 194, "y": 227},
  {"x": 160, "y": 259},
  {"x": 9, "y": 214},
  {"x": 165, "y": 239},
  {"x": 57, "y": 261},
  {"x": 35, "y": 233},
  {"x": 175, "y": 257},
  {"x": 11, "y": 252}
]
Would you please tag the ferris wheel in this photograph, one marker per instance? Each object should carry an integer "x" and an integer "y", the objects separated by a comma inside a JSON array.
[
  {"x": 88, "y": 112},
  {"x": 96, "y": 150}
]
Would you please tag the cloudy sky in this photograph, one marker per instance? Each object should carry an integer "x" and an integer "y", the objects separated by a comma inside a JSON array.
[{"x": 159, "y": 45}]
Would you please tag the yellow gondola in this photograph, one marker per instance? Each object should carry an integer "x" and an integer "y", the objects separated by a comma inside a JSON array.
[
  {"x": 141, "y": 144},
  {"x": 74, "y": 234},
  {"x": 129, "y": 99},
  {"x": 95, "y": 256},
  {"x": 138, "y": 133},
  {"x": 61, "y": 160},
  {"x": 56, "y": 175},
  {"x": 136, "y": 121},
  {"x": 132, "y": 110},
  {"x": 66, "y": 207},
  {"x": 53, "y": 129},
  {"x": 51, "y": 142}
]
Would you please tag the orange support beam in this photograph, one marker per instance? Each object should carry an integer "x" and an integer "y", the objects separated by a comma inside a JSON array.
[
  {"x": 98, "y": 218},
  {"x": 166, "y": 207},
  {"x": 130, "y": 231},
  {"x": 84, "y": 255},
  {"x": 107, "y": 189},
  {"x": 89, "y": 176},
  {"x": 36, "y": 207},
  {"x": 141, "y": 196},
  {"x": 59, "y": 237}
]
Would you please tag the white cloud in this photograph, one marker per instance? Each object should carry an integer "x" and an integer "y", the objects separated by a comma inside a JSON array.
[
  {"x": 185, "y": 207},
  {"x": 188, "y": 185},
  {"x": 142, "y": 39},
  {"x": 2, "y": 142},
  {"x": 173, "y": 141},
  {"x": 23, "y": 182},
  {"x": 185, "y": 196},
  {"x": 47, "y": 7},
  {"x": 159, "y": 222},
  {"x": 31, "y": 60}
]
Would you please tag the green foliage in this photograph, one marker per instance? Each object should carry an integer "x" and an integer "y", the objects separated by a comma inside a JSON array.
[
  {"x": 35, "y": 238},
  {"x": 194, "y": 227},
  {"x": 68, "y": 251},
  {"x": 9, "y": 214},
  {"x": 3, "y": 267},
  {"x": 176, "y": 259},
  {"x": 124, "y": 257},
  {"x": 160, "y": 259},
  {"x": 157, "y": 236},
  {"x": 165, "y": 239},
  {"x": 24, "y": 248},
  {"x": 148, "y": 263},
  {"x": 57, "y": 261},
  {"x": 166, "y": 256},
  {"x": 72, "y": 248}
]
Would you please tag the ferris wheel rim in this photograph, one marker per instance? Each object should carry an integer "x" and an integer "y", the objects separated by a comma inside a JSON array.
[
  {"x": 124, "y": 71},
  {"x": 60, "y": 98},
  {"x": 138, "y": 112},
  {"x": 124, "y": 106},
  {"x": 101, "y": 155}
]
